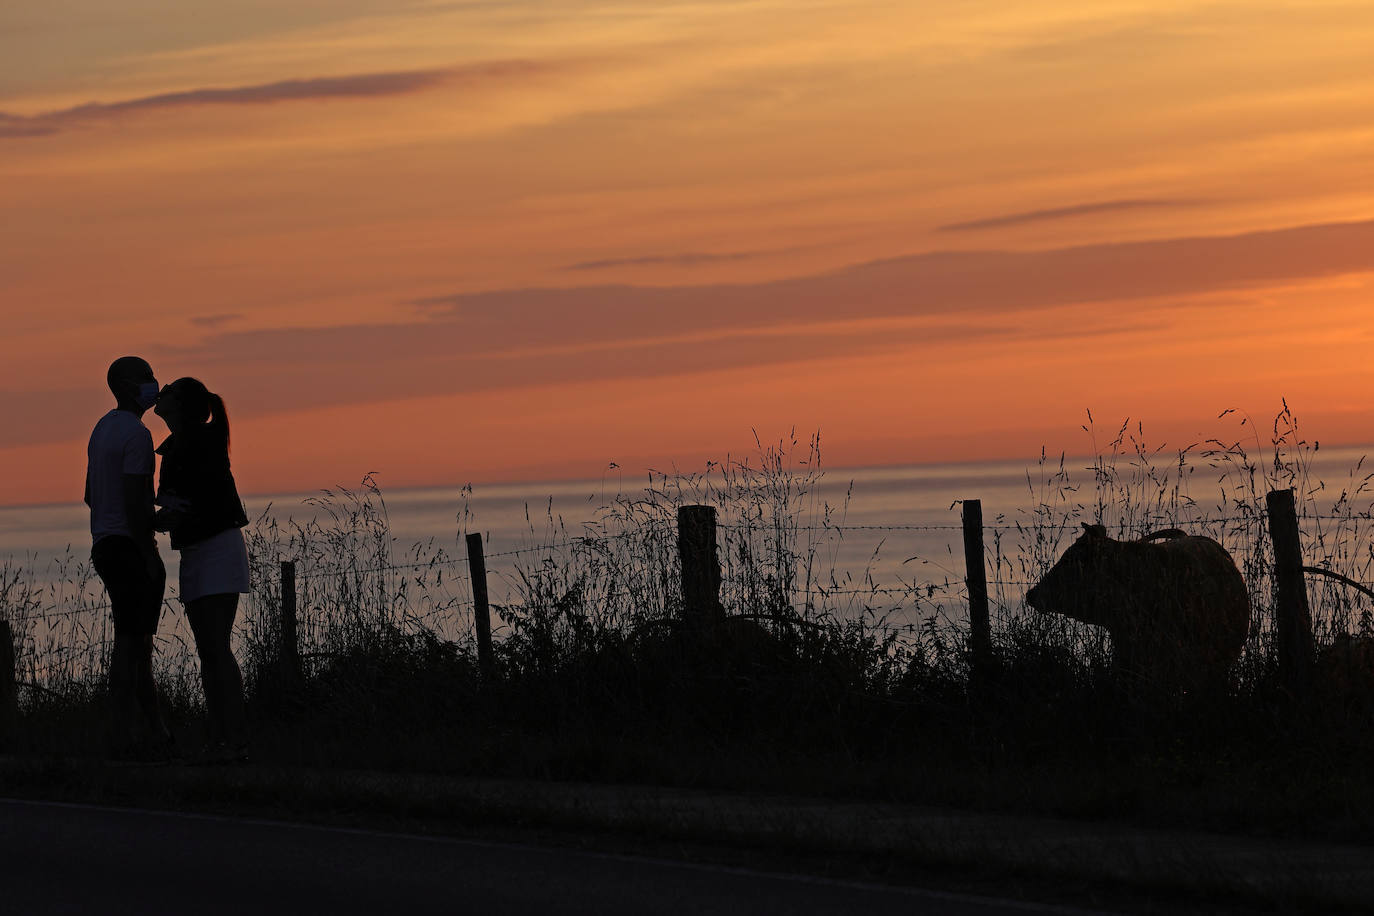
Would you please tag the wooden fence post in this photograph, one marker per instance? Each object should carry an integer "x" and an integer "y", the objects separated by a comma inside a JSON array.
[
  {"x": 290, "y": 647},
  {"x": 1293, "y": 618},
  {"x": 980, "y": 626},
  {"x": 481, "y": 610},
  {"x": 9, "y": 683},
  {"x": 696, "y": 549}
]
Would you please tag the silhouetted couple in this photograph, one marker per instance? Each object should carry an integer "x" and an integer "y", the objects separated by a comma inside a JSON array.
[{"x": 197, "y": 503}]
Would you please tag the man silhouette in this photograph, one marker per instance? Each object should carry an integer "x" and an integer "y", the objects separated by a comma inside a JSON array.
[{"x": 119, "y": 490}]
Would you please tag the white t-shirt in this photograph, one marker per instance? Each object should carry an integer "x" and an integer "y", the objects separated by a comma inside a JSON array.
[{"x": 120, "y": 444}]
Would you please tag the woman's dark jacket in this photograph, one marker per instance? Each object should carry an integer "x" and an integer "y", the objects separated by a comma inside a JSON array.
[{"x": 195, "y": 468}]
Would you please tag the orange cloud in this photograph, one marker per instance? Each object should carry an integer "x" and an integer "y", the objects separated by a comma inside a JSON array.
[
  {"x": 475, "y": 342},
  {"x": 355, "y": 86},
  {"x": 975, "y": 285},
  {"x": 1055, "y": 213}
]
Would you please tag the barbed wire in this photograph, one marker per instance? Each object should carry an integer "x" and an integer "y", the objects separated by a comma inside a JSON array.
[
  {"x": 522, "y": 551},
  {"x": 764, "y": 527},
  {"x": 918, "y": 591},
  {"x": 76, "y": 648},
  {"x": 319, "y": 572},
  {"x": 589, "y": 540},
  {"x": 1028, "y": 526},
  {"x": 827, "y": 592},
  {"x": 443, "y": 610},
  {"x": 59, "y": 613}
]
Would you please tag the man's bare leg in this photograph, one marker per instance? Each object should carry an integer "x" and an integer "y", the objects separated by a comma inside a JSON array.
[
  {"x": 124, "y": 665},
  {"x": 150, "y": 707}
]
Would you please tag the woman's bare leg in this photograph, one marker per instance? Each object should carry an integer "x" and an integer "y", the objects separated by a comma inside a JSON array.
[{"x": 212, "y": 621}]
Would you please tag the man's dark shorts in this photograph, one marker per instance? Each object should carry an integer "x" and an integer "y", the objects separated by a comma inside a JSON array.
[{"x": 135, "y": 591}]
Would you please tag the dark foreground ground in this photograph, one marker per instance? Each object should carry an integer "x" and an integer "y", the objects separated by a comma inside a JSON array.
[
  {"x": 530, "y": 846},
  {"x": 143, "y": 862}
]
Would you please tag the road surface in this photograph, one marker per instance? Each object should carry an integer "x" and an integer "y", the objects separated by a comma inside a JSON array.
[{"x": 57, "y": 858}]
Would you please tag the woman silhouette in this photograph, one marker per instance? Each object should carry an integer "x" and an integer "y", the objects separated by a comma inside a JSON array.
[{"x": 200, "y": 508}]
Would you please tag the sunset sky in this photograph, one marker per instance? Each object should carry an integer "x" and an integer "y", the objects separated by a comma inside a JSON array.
[{"x": 521, "y": 239}]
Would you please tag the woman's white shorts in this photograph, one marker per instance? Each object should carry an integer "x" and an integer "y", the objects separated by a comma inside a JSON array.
[{"x": 217, "y": 565}]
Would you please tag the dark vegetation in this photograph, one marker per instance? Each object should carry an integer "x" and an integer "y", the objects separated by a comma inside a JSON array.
[{"x": 816, "y": 682}]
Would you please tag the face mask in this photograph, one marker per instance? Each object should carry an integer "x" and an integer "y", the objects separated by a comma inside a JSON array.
[{"x": 147, "y": 394}]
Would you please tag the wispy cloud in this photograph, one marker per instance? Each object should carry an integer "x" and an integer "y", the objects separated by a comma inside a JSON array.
[
  {"x": 15, "y": 126},
  {"x": 685, "y": 259},
  {"x": 214, "y": 321},
  {"x": 1056, "y": 213},
  {"x": 354, "y": 86}
]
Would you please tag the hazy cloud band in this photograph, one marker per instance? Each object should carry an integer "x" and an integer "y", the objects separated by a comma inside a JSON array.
[
  {"x": 517, "y": 338},
  {"x": 354, "y": 86},
  {"x": 603, "y": 328},
  {"x": 684, "y": 259},
  {"x": 1056, "y": 213}
]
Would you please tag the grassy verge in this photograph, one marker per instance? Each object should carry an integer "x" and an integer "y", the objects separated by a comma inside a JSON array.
[
  {"x": 1038, "y": 741},
  {"x": 805, "y": 688}
]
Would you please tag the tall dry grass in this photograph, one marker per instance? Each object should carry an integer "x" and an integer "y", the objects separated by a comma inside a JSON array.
[
  {"x": 617, "y": 572},
  {"x": 858, "y": 664},
  {"x": 1216, "y": 487}
]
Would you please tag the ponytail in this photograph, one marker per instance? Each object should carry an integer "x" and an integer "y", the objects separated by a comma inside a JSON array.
[{"x": 219, "y": 418}]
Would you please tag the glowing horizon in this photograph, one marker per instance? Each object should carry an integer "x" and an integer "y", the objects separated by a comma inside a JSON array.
[{"x": 520, "y": 241}]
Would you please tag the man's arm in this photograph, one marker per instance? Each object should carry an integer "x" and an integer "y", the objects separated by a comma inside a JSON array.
[
  {"x": 138, "y": 509},
  {"x": 138, "y": 505},
  {"x": 137, "y": 480}
]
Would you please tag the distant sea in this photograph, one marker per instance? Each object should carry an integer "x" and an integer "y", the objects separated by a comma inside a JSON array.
[{"x": 890, "y": 514}]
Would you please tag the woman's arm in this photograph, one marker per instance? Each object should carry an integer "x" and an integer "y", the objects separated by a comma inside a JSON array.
[{"x": 173, "y": 503}]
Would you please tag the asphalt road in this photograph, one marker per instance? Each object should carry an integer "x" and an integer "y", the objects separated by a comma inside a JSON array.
[{"x": 57, "y": 858}]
